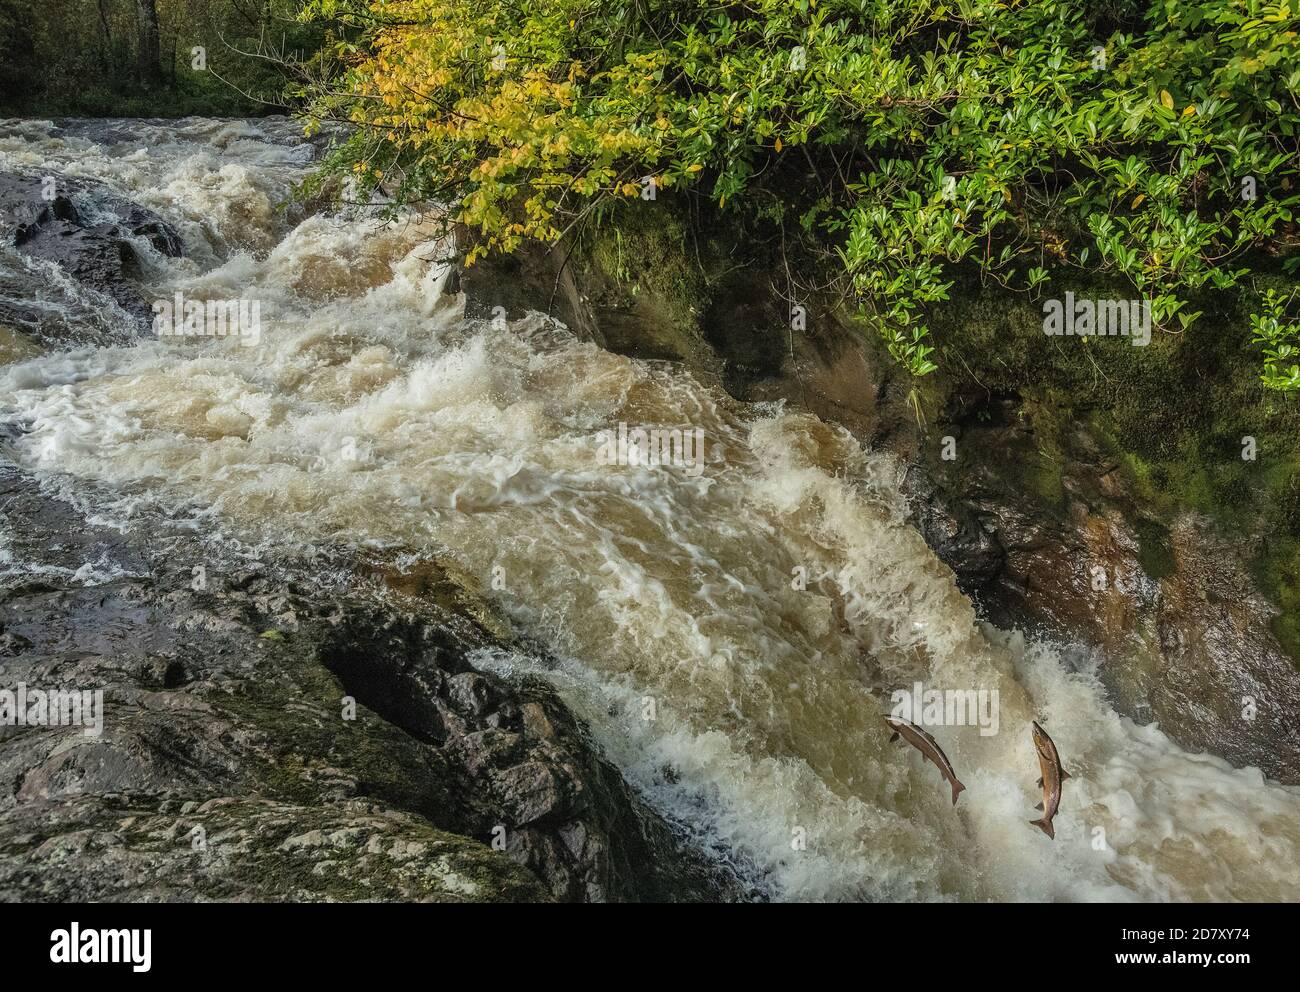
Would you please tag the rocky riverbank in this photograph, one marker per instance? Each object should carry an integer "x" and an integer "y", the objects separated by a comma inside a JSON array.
[{"x": 271, "y": 737}]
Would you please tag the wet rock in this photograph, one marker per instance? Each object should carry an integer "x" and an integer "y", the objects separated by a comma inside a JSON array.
[
  {"x": 88, "y": 231},
  {"x": 1209, "y": 611},
  {"x": 245, "y": 848},
  {"x": 16, "y": 346},
  {"x": 524, "y": 771},
  {"x": 956, "y": 534},
  {"x": 1184, "y": 635}
]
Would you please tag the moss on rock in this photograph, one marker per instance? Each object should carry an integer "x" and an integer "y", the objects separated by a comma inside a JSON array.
[{"x": 1185, "y": 419}]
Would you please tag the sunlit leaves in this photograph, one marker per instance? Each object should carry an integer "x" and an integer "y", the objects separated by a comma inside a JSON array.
[
  {"x": 1279, "y": 337},
  {"x": 1134, "y": 162}
]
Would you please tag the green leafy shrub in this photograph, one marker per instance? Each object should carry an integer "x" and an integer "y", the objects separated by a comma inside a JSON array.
[
  {"x": 1280, "y": 339},
  {"x": 1153, "y": 141}
]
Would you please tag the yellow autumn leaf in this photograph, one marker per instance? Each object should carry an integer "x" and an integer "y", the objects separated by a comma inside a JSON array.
[
  {"x": 1166, "y": 100},
  {"x": 1189, "y": 110},
  {"x": 779, "y": 146},
  {"x": 696, "y": 167},
  {"x": 1137, "y": 200}
]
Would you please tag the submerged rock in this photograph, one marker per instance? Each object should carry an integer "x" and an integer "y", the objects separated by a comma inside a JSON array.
[{"x": 16, "y": 346}]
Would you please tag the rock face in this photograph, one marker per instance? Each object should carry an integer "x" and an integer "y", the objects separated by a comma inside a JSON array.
[
  {"x": 87, "y": 231},
  {"x": 1062, "y": 546},
  {"x": 265, "y": 739},
  {"x": 517, "y": 766}
]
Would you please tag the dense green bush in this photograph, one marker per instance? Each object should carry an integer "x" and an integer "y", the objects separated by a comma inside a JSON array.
[{"x": 1153, "y": 140}]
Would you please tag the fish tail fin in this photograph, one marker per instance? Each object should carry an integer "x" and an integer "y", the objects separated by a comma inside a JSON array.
[
  {"x": 957, "y": 790},
  {"x": 1046, "y": 826}
]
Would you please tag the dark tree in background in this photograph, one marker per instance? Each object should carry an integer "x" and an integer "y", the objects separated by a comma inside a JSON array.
[{"x": 149, "y": 62}]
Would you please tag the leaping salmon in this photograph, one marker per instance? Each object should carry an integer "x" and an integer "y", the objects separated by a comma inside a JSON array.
[
  {"x": 929, "y": 749},
  {"x": 1049, "y": 762}
]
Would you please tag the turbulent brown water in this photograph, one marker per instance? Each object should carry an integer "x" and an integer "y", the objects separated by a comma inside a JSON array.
[{"x": 372, "y": 415}]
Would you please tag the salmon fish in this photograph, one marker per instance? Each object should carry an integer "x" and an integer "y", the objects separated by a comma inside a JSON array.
[
  {"x": 1049, "y": 763},
  {"x": 929, "y": 749}
]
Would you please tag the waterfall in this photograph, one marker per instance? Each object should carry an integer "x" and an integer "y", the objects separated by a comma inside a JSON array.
[{"x": 732, "y": 635}]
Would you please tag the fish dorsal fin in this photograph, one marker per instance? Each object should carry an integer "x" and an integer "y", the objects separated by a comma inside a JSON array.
[
  {"x": 893, "y": 737},
  {"x": 1038, "y": 784},
  {"x": 1039, "y": 806},
  {"x": 1065, "y": 775}
]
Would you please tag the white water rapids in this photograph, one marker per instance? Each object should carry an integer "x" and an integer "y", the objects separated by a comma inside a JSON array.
[{"x": 372, "y": 415}]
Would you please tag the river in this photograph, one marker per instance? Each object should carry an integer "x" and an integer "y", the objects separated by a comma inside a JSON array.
[{"x": 372, "y": 417}]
